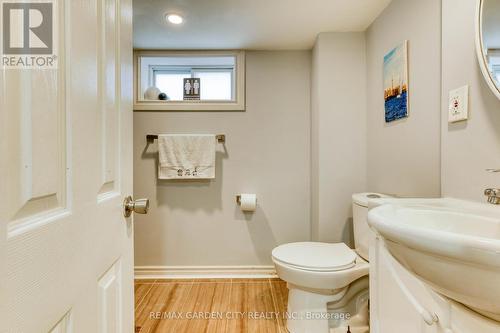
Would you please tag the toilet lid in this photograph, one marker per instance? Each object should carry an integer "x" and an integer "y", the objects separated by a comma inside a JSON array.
[{"x": 316, "y": 256}]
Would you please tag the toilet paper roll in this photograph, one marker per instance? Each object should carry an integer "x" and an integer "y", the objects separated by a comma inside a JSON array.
[{"x": 248, "y": 202}]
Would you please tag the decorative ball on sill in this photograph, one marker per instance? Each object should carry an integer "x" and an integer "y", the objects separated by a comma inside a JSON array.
[
  {"x": 152, "y": 93},
  {"x": 162, "y": 97}
]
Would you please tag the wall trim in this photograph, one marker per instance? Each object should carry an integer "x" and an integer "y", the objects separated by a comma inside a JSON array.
[{"x": 193, "y": 272}]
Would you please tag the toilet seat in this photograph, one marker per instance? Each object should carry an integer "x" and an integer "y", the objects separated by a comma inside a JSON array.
[{"x": 315, "y": 256}]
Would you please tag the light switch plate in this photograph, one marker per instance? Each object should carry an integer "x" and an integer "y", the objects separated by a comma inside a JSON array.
[{"x": 458, "y": 105}]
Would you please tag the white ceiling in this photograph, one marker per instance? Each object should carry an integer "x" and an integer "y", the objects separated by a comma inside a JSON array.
[{"x": 248, "y": 24}]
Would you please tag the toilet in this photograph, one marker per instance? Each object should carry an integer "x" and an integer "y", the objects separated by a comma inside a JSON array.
[{"x": 318, "y": 274}]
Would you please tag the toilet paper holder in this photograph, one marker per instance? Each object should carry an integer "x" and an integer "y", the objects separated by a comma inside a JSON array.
[{"x": 238, "y": 199}]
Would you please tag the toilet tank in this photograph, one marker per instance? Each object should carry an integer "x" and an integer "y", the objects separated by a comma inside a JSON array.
[{"x": 363, "y": 235}]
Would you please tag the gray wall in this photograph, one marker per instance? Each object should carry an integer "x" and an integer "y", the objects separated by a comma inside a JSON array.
[
  {"x": 338, "y": 133},
  {"x": 306, "y": 148},
  {"x": 468, "y": 148},
  {"x": 267, "y": 152},
  {"x": 404, "y": 156}
]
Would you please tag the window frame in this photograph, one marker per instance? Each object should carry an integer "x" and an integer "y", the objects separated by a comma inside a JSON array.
[{"x": 238, "y": 82}]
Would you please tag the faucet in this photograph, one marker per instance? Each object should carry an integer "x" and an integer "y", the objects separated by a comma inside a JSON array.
[{"x": 493, "y": 194}]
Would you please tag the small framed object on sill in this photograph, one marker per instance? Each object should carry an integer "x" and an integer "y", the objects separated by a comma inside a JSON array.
[{"x": 189, "y": 80}]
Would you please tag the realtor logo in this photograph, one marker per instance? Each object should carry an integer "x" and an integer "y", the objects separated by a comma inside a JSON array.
[{"x": 28, "y": 34}]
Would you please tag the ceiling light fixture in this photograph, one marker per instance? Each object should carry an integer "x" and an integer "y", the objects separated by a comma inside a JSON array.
[{"x": 174, "y": 18}]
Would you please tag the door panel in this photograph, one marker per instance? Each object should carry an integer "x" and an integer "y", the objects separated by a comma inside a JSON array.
[
  {"x": 109, "y": 79},
  {"x": 64, "y": 325},
  {"x": 66, "y": 256},
  {"x": 110, "y": 299},
  {"x": 34, "y": 152}
]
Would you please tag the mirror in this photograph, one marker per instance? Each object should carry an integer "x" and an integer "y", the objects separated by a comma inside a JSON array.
[{"x": 488, "y": 42}]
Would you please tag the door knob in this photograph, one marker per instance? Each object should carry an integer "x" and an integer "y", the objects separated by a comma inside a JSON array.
[{"x": 139, "y": 206}]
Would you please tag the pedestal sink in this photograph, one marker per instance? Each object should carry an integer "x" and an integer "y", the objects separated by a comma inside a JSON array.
[{"x": 453, "y": 245}]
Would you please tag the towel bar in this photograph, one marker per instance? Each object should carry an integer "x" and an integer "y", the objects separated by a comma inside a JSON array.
[{"x": 150, "y": 138}]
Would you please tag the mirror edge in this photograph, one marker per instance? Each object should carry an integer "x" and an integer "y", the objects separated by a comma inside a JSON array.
[{"x": 481, "y": 58}]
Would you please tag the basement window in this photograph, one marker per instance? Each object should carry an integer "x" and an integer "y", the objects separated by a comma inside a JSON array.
[
  {"x": 189, "y": 80},
  {"x": 217, "y": 82}
]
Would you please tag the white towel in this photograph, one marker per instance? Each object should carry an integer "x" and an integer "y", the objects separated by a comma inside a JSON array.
[{"x": 186, "y": 156}]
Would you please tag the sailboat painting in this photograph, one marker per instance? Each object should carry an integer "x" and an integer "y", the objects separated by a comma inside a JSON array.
[{"x": 396, "y": 83}]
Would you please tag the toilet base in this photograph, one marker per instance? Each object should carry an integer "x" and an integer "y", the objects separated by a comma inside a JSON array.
[{"x": 307, "y": 308}]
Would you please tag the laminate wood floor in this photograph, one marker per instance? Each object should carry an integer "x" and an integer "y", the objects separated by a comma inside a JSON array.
[{"x": 210, "y": 306}]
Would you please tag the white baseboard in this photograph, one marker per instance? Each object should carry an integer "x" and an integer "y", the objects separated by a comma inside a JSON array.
[{"x": 200, "y": 272}]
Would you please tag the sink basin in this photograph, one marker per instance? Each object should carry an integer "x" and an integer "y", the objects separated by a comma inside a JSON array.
[{"x": 453, "y": 245}]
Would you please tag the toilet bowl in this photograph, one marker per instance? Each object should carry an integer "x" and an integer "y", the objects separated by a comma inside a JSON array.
[{"x": 321, "y": 274}]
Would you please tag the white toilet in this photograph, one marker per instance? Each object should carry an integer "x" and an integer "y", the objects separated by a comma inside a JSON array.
[{"x": 320, "y": 273}]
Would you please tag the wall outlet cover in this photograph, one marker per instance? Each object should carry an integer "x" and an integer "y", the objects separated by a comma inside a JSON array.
[{"x": 458, "y": 105}]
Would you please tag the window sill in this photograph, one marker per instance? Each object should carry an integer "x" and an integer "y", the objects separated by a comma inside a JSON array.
[{"x": 188, "y": 106}]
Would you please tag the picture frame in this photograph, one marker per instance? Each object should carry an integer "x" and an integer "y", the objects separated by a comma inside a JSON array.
[{"x": 396, "y": 85}]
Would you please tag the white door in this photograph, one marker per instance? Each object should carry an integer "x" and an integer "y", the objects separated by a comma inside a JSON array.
[{"x": 66, "y": 250}]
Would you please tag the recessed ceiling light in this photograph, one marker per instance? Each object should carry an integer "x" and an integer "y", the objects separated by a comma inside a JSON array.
[{"x": 174, "y": 18}]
